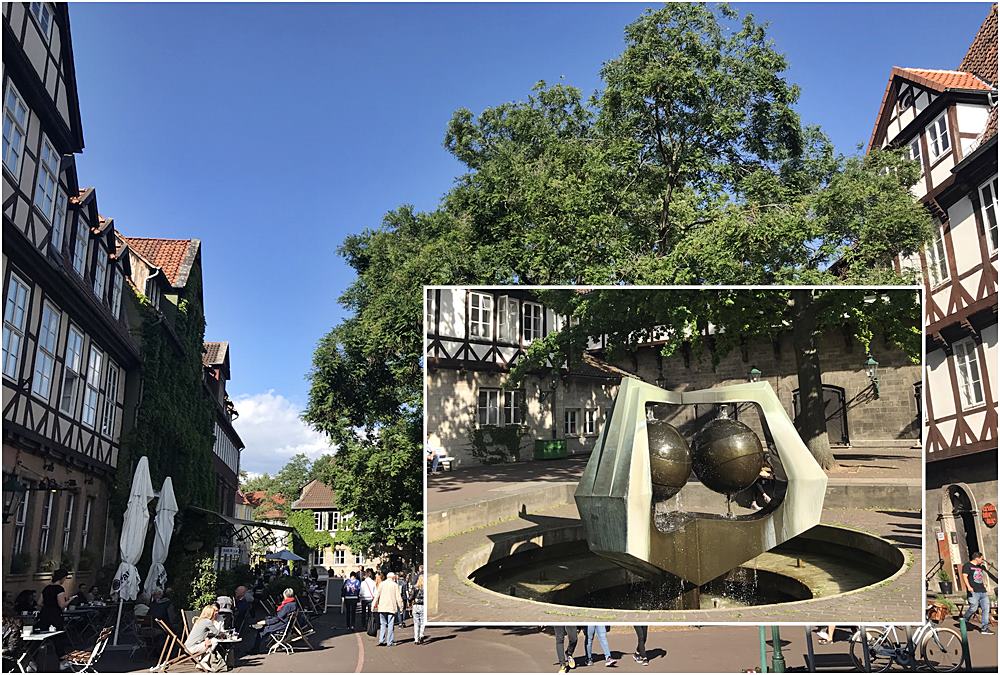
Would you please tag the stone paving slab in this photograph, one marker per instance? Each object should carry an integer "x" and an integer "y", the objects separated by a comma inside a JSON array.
[{"x": 898, "y": 600}]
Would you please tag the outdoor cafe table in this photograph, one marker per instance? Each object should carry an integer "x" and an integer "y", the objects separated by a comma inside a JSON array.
[
  {"x": 32, "y": 644},
  {"x": 88, "y": 618},
  {"x": 228, "y": 647}
]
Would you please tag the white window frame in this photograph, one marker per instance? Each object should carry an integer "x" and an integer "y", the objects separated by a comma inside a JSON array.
[
  {"x": 333, "y": 521},
  {"x": 532, "y": 326},
  {"x": 318, "y": 520},
  {"x": 913, "y": 150},
  {"x": 80, "y": 245},
  {"x": 513, "y": 407},
  {"x": 571, "y": 419},
  {"x": 13, "y": 153},
  {"x": 59, "y": 221},
  {"x": 937, "y": 258},
  {"x": 116, "y": 293},
  {"x": 508, "y": 315},
  {"x": 988, "y": 208},
  {"x": 46, "y": 528},
  {"x": 15, "y": 315},
  {"x": 92, "y": 388},
  {"x": 488, "y": 407},
  {"x": 88, "y": 513},
  {"x": 21, "y": 520},
  {"x": 153, "y": 292},
  {"x": 480, "y": 315},
  {"x": 590, "y": 422},
  {"x": 359, "y": 558},
  {"x": 47, "y": 183},
  {"x": 339, "y": 557},
  {"x": 970, "y": 382},
  {"x": 72, "y": 368},
  {"x": 45, "y": 351},
  {"x": 68, "y": 521},
  {"x": 109, "y": 417},
  {"x": 100, "y": 273},
  {"x": 319, "y": 555},
  {"x": 938, "y": 138},
  {"x": 39, "y": 10}
]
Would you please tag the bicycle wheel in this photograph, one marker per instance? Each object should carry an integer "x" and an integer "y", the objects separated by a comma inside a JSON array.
[
  {"x": 881, "y": 647},
  {"x": 942, "y": 650}
]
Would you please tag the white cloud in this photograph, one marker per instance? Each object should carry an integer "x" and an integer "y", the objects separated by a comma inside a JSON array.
[{"x": 272, "y": 431}]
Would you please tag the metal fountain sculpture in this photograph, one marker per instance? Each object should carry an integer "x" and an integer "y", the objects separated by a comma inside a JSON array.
[{"x": 639, "y": 460}]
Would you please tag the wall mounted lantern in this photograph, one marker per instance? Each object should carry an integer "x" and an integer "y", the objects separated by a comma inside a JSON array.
[
  {"x": 871, "y": 369},
  {"x": 754, "y": 374}
]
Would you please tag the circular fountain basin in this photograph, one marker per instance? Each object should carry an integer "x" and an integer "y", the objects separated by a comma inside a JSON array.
[{"x": 556, "y": 567}]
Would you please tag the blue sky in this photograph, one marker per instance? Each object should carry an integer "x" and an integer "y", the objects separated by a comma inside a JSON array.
[{"x": 272, "y": 131}]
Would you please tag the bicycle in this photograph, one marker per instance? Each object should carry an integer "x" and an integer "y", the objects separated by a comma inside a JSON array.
[{"x": 940, "y": 648}]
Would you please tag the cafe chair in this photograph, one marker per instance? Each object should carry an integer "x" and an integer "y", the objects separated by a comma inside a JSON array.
[{"x": 80, "y": 661}]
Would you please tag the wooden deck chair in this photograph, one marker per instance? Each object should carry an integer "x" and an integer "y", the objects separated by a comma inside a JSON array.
[
  {"x": 183, "y": 654},
  {"x": 303, "y": 629},
  {"x": 283, "y": 639},
  {"x": 82, "y": 661}
]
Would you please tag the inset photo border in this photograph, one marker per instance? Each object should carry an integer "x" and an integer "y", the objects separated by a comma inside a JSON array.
[{"x": 674, "y": 455}]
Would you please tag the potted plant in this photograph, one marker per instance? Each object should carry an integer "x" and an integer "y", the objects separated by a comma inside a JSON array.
[{"x": 944, "y": 581}]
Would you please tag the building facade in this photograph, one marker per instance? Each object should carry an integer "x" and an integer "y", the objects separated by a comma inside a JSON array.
[
  {"x": 947, "y": 120},
  {"x": 319, "y": 498},
  {"x": 67, "y": 353},
  {"x": 470, "y": 350},
  {"x": 228, "y": 445}
]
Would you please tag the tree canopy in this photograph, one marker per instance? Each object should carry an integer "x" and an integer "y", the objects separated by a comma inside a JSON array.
[{"x": 688, "y": 166}]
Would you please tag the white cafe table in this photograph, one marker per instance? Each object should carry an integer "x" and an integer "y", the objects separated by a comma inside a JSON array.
[{"x": 35, "y": 640}]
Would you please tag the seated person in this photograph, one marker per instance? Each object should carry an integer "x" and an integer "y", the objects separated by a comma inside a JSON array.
[
  {"x": 203, "y": 636},
  {"x": 81, "y": 596},
  {"x": 276, "y": 623},
  {"x": 26, "y": 601}
]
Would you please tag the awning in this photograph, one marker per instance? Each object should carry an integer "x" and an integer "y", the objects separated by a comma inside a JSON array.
[{"x": 252, "y": 531}]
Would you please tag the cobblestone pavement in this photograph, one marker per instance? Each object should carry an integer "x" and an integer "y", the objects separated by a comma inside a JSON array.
[
  {"x": 725, "y": 649},
  {"x": 896, "y": 600}
]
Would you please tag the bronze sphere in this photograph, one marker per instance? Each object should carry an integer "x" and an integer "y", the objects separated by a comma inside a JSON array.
[
  {"x": 727, "y": 456},
  {"x": 669, "y": 458}
]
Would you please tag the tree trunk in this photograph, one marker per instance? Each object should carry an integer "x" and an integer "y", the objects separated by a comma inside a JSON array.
[{"x": 812, "y": 408}]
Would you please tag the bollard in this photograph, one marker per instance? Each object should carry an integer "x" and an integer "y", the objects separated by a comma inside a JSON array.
[
  {"x": 777, "y": 658},
  {"x": 763, "y": 648},
  {"x": 966, "y": 654}
]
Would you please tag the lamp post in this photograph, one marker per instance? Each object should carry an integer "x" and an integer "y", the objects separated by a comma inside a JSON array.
[
  {"x": 871, "y": 369},
  {"x": 754, "y": 374},
  {"x": 13, "y": 494}
]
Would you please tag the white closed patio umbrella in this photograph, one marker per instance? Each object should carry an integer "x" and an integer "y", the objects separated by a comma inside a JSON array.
[
  {"x": 166, "y": 509},
  {"x": 126, "y": 583}
]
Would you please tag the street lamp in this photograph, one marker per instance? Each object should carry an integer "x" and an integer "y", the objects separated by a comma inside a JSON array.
[
  {"x": 754, "y": 374},
  {"x": 13, "y": 493},
  {"x": 871, "y": 369}
]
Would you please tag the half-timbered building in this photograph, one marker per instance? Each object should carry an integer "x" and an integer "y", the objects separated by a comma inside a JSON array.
[
  {"x": 947, "y": 121},
  {"x": 67, "y": 352},
  {"x": 338, "y": 558},
  {"x": 228, "y": 445}
]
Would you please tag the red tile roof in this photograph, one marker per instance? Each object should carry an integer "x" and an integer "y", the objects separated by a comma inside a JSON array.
[
  {"x": 316, "y": 495},
  {"x": 942, "y": 80},
  {"x": 991, "y": 126},
  {"x": 981, "y": 59},
  {"x": 173, "y": 256}
]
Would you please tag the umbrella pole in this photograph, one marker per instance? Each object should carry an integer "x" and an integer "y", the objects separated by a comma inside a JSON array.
[{"x": 118, "y": 621}]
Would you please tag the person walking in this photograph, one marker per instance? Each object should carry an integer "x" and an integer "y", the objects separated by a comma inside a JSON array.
[
  {"x": 54, "y": 601},
  {"x": 388, "y": 602},
  {"x": 565, "y": 646},
  {"x": 640, "y": 646},
  {"x": 974, "y": 581},
  {"x": 419, "y": 616},
  {"x": 602, "y": 636},
  {"x": 349, "y": 593},
  {"x": 404, "y": 590},
  {"x": 367, "y": 594}
]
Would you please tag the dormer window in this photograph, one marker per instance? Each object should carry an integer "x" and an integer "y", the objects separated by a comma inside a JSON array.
[
  {"x": 59, "y": 222},
  {"x": 43, "y": 17},
  {"x": 116, "y": 294},
  {"x": 80, "y": 247},
  {"x": 100, "y": 273},
  {"x": 153, "y": 292},
  {"x": 938, "y": 141},
  {"x": 988, "y": 195}
]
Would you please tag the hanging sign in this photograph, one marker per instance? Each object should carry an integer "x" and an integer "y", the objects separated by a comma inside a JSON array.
[{"x": 990, "y": 515}]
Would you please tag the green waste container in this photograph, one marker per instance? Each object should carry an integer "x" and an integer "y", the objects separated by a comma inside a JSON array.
[{"x": 550, "y": 448}]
